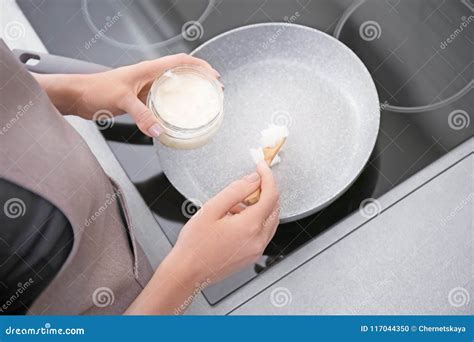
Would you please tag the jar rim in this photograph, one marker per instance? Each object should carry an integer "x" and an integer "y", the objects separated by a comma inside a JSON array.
[{"x": 181, "y": 132}]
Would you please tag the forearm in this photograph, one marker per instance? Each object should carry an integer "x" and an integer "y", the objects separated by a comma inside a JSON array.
[
  {"x": 171, "y": 289},
  {"x": 65, "y": 91}
]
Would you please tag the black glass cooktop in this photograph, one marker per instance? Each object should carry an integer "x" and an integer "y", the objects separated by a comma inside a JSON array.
[{"x": 418, "y": 52}]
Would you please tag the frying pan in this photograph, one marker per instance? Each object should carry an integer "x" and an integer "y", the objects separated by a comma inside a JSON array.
[{"x": 281, "y": 73}]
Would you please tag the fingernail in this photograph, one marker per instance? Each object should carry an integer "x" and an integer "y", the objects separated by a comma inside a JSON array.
[
  {"x": 242, "y": 206},
  {"x": 155, "y": 130},
  {"x": 217, "y": 73},
  {"x": 220, "y": 83},
  {"x": 253, "y": 177}
]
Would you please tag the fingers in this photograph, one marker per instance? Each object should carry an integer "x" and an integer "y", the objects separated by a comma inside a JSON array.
[
  {"x": 232, "y": 195},
  {"x": 269, "y": 194},
  {"x": 238, "y": 208},
  {"x": 149, "y": 70},
  {"x": 143, "y": 117}
]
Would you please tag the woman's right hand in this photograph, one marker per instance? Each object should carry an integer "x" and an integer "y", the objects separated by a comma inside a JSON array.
[{"x": 216, "y": 243}]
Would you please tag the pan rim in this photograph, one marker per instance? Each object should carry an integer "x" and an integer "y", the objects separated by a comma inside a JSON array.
[{"x": 375, "y": 130}]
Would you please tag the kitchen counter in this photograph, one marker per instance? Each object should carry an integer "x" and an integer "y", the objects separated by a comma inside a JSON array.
[{"x": 407, "y": 260}]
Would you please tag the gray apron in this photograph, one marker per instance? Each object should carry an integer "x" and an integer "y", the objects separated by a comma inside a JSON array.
[{"x": 39, "y": 150}]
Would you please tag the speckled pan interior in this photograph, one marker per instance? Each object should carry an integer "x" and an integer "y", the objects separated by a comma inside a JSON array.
[{"x": 284, "y": 74}]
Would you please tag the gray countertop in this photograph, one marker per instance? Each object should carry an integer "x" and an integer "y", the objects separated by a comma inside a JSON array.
[
  {"x": 404, "y": 261},
  {"x": 413, "y": 258}
]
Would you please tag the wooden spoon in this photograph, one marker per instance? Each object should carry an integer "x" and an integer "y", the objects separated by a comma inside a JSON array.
[{"x": 269, "y": 154}]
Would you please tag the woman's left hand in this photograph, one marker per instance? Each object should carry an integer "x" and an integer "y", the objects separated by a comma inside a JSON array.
[{"x": 118, "y": 91}]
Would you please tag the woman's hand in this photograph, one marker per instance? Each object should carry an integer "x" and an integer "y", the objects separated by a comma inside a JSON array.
[
  {"x": 214, "y": 244},
  {"x": 118, "y": 91}
]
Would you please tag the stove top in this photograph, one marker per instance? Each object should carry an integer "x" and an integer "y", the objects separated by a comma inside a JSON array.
[{"x": 418, "y": 52}]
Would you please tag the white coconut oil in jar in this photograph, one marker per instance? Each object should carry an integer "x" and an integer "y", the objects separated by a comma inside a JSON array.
[{"x": 188, "y": 103}]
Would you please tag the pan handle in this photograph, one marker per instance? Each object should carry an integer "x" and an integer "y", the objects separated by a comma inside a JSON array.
[{"x": 44, "y": 63}]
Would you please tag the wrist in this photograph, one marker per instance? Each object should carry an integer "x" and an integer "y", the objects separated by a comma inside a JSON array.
[
  {"x": 182, "y": 268},
  {"x": 171, "y": 289},
  {"x": 65, "y": 91}
]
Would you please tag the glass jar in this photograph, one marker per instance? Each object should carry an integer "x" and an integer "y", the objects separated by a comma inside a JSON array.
[{"x": 176, "y": 135}]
